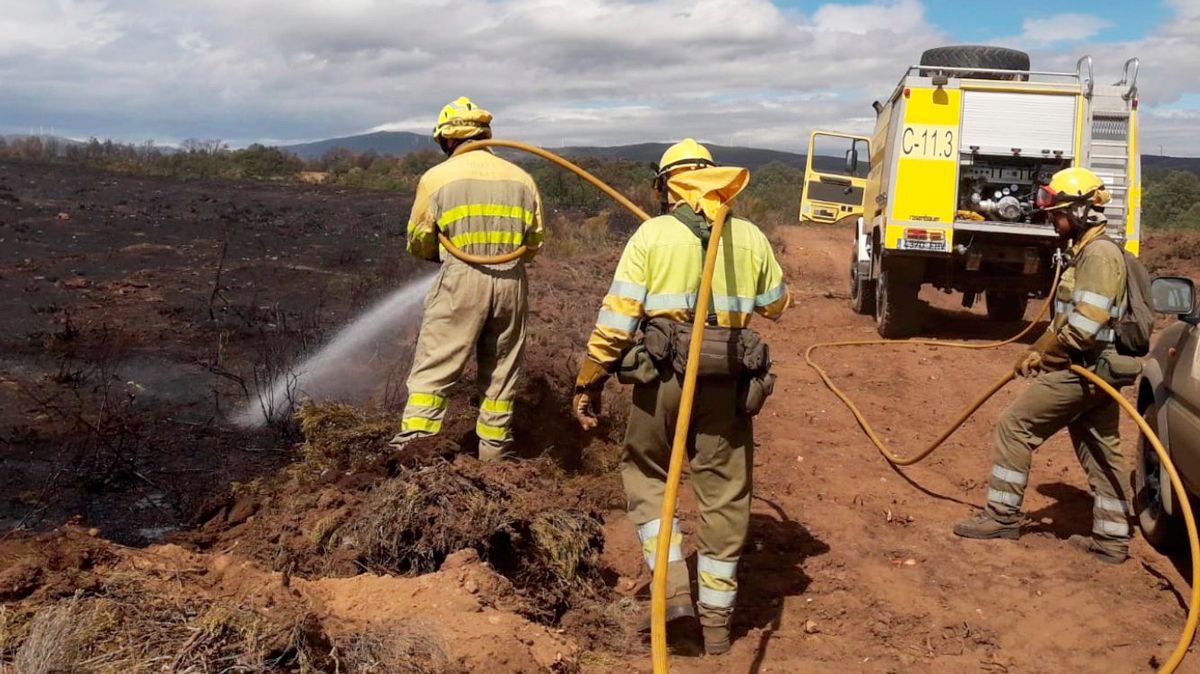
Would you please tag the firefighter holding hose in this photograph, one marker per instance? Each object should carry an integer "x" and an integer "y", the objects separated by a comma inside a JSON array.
[
  {"x": 654, "y": 291},
  {"x": 485, "y": 206},
  {"x": 1091, "y": 298}
]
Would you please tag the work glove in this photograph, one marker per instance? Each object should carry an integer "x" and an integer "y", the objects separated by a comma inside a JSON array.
[
  {"x": 589, "y": 386},
  {"x": 586, "y": 406},
  {"x": 1046, "y": 355}
]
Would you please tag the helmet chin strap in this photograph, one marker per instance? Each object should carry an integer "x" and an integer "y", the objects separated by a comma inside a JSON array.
[{"x": 1078, "y": 216}]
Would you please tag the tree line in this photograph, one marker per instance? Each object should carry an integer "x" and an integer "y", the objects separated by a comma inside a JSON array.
[{"x": 1171, "y": 199}]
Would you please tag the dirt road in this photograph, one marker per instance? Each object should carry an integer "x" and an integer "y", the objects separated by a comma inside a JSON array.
[{"x": 851, "y": 565}]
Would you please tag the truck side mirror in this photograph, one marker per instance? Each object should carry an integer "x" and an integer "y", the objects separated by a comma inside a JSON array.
[
  {"x": 1173, "y": 295},
  {"x": 851, "y": 161}
]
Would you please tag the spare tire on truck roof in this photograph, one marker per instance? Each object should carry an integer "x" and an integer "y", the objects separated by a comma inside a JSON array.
[{"x": 976, "y": 56}]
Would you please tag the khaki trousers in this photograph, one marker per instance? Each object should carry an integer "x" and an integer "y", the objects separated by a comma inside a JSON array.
[
  {"x": 469, "y": 310},
  {"x": 720, "y": 449},
  {"x": 1055, "y": 400}
]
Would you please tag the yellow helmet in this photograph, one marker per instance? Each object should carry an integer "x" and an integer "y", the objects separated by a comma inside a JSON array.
[
  {"x": 1075, "y": 186},
  {"x": 687, "y": 153},
  {"x": 463, "y": 119}
]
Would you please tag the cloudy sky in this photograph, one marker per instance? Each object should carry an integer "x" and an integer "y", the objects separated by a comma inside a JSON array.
[{"x": 743, "y": 72}]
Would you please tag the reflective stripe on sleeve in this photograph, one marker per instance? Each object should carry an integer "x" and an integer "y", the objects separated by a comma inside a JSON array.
[
  {"x": 771, "y": 296},
  {"x": 1095, "y": 299},
  {"x": 1004, "y": 498},
  {"x": 611, "y": 319},
  {"x": 1106, "y": 335},
  {"x": 629, "y": 290},
  {"x": 1084, "y": 324},
  {"x": 1010, "y": 476}
]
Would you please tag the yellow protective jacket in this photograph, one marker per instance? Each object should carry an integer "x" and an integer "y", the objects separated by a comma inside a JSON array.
[
  {"x": 1091, "y": 294},
  {"x": 484, "y": 204},
  {"x": 659, "y": 276}
]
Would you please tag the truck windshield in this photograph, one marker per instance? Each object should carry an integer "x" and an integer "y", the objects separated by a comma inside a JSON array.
[{"x": 830, "y": 154}]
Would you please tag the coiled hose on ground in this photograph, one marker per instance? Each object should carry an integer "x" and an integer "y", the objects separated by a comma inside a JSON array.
[{"x": 658, "y": 601}]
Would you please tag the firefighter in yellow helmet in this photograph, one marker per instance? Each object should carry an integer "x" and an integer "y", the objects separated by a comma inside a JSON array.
[
  {"x": 1090, "y": 300},
  {"x": 653, "y": 293},
  {"x": 486, "y": 206}
]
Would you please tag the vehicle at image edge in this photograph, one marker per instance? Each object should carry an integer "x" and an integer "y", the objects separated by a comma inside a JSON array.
[
  {"x": 959, "y": 151},
  {"x": 1168, "y": 396}
]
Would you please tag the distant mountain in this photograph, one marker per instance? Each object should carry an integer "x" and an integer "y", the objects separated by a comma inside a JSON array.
[
  {"x": 402, "y": 142},
  {"x": 749, "y": 157},
  {"x": 1151, "y": 161},
  {"x": 60, "y": 143},
  {"x": 383, "y": 142}
]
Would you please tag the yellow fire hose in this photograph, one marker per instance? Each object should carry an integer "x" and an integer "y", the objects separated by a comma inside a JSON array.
[
  {"x": 1189, "y": 630},
  {"x": 658, "y": 601}
]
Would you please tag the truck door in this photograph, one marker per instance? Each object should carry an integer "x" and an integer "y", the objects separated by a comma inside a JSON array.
[{"x": 835, "y": 176}]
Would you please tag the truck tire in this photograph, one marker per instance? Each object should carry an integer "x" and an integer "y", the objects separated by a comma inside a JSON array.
[
  {"x": 896, "y": 304},
  {"x": 862, "y": 290},
  {"x": 1161, "y": 530},
  {"x": 976, "y": 56},
  {"x": 1006, "y": 307}
]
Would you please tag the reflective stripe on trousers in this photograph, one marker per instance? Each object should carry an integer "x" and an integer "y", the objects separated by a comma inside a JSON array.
[
  {"x": 1110, "y": 517},
  {"x": 1006, "y": 489},
  {"x": 423, "y": 413},
  {"x": 717, "y": 582},
  {"x": 648, "y": 535},
  {"x": 495, "y": 420}
]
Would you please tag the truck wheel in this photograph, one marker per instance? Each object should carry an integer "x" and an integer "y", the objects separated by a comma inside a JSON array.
[
  {"x": 976, "y": 56},
  {"x": 1007, "y": 307},
  {"x": 862, "y": 290},
  {"x": 896, "y": 305},
  {"x": 1161, "y": 530}
]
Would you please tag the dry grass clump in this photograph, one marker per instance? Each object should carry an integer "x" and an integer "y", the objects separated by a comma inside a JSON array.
[
  {"x": 397, "y": 649},
  {"x": 561, "y": 555},
  {"x": 411, "y": 523},
  {"x": 59, "y": 638},
  {"x": 133, "y": 628},
  {"x": 338, "y": 436}
]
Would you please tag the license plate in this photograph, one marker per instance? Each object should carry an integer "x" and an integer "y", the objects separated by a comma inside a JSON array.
[{"x": 923, "y": 244}]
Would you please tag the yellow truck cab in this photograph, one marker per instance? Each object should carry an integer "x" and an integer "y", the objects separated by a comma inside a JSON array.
[
  {"x": 835, "y": 177},
  {"x": 960, "y": 148}
]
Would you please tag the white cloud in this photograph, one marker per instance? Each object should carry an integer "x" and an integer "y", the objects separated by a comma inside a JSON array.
[
  {"x": 571, "y": 71},
  {"x": 1062, "y": 28},
  {"x": 552, "y": 71}
]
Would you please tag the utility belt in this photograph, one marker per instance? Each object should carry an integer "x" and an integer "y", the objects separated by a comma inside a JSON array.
[
  {"x": 730, "y": 353},
  {"x": 1119, "y": 371}
]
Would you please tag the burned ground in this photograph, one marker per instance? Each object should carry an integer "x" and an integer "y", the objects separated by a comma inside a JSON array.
[{"x": 147, "y": 313}]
